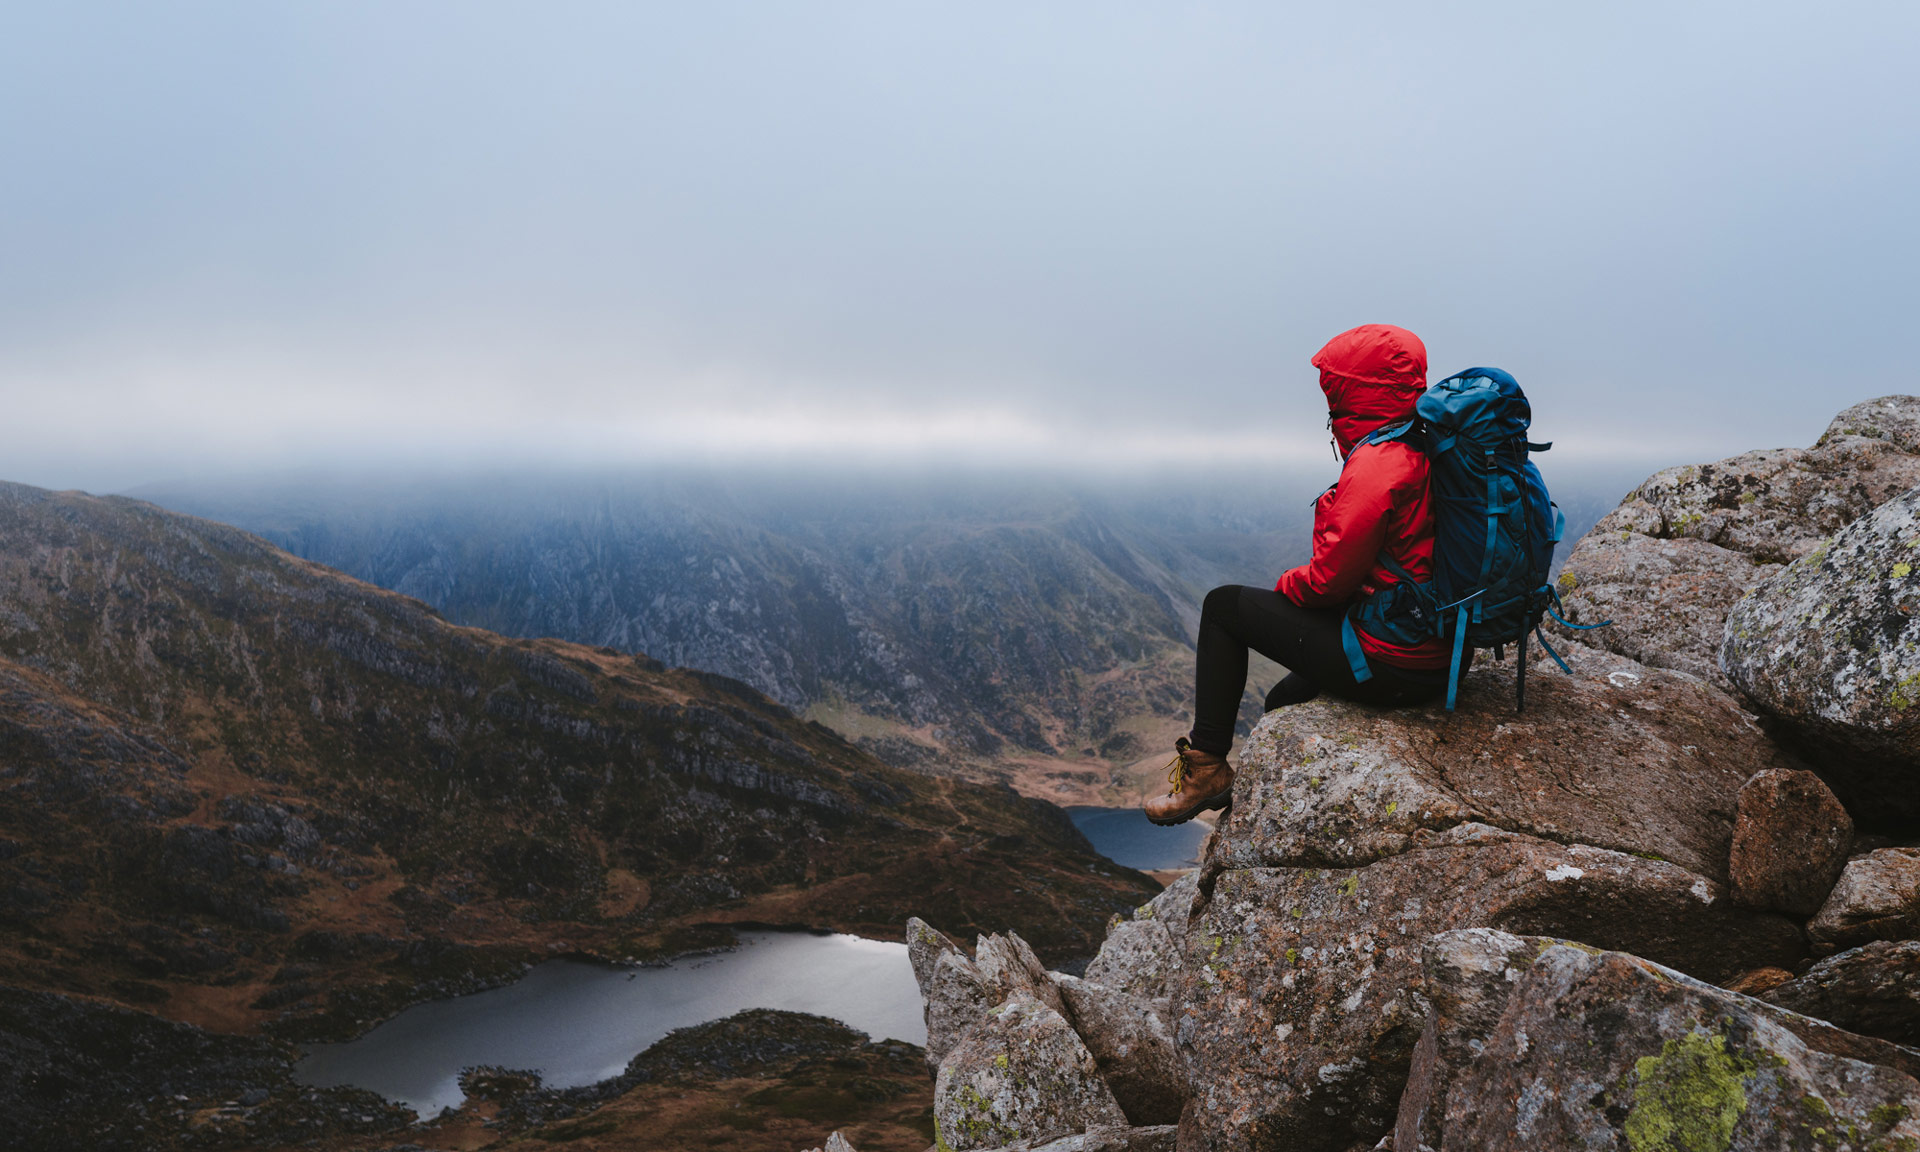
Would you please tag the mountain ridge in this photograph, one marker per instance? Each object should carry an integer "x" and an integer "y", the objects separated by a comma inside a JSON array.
[{"x": 250, "y": 792}]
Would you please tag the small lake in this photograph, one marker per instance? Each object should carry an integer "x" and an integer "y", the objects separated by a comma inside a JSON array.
[
  {"x": 577, "y": 1023},
  {"x": 1126, "y": 836}
]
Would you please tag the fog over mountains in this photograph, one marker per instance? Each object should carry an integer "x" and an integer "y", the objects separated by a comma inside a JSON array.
[{"x": 1033, "y": 630}]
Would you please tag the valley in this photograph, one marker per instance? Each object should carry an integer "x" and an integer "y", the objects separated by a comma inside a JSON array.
[
  {"x": 1037, "y": 634},
  {"x": 248, "y": 793}
]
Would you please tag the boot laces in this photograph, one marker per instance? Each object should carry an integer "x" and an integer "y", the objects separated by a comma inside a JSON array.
[{"x": 1177, "y": 772}]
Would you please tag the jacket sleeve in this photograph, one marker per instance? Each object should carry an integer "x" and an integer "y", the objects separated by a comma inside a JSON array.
[{"x": 1348, "y": 531}]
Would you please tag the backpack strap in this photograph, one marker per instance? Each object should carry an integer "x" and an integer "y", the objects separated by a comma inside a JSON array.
[
  {"x": 1356, "y": 655},
  {"x": 1385, "y": 433},
  {"x": 1549, "y": 648},
  {"x": 1459, "y": 645}
]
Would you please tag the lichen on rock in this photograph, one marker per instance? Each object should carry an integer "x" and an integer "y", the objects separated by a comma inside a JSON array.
[
  {"x": 1830, "y": 647},
  {"x": 1670, "y": 562},
  {"x": 1021, "y": 1074}
]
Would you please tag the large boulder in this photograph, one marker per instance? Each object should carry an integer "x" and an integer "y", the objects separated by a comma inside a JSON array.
[
  {"x": 1108, "y": 1045},
  {"x": 1617, "y": 755},
  {"x": 1007, "y": 964},
  {"x": 1877, "y": 898},
  {"x": 1141, "y": 956},
  {"x": 1299, "y": 1021},
  {"x": 953, "y": 996},
  {"x": 1873, "y": 990},
  {"x": 1020, "y": 1074},
  {"x": 1153, "y": 1138},
  {"x": 1539, "y": 1044},
  {"x": 1603, "y": 813},
  {"x": 1894, "y": 419},
  {"x": 1131, "y": 1046},
  {"x": 1790, "y": 842},
  {"x": 1668, "y": 564},
  {"x": 1831, "y": 648}
]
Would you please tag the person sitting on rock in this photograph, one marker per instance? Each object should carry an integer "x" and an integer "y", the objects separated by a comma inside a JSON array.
[{"x": 1381, "y": 507}]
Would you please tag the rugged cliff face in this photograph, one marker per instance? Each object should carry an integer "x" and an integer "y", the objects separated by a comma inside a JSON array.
[
  {"x": 246, "y": 792},
  {"x": 1592, "y": 925}
]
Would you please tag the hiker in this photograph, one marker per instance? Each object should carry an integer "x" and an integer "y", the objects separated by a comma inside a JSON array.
[{"x": 1379, "y": 510}]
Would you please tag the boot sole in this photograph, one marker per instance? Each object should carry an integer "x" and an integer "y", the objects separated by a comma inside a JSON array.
[{"x": 1218, "y": 800}]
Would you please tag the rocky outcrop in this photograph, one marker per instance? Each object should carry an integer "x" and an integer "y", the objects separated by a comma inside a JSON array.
[
  {"x": 1873, "y": 990},
  {"x": 1131, "y": 1046},
  {"x": 1893, "y": 419},
  {"x": 1831, "y": 647},
  {"x": 952, "y": 994},
  {"x": 1024, "y": 1056},
  {"x": 1486, "y": 929},
  {"x": 1606, "y": 813},
  {"x": 1669, "y": 564},
  {"x": 1618, "y": 755},
  {"x": 1877, "y": 898},
  {"x": 1021, "y": 1073},
  {"x": 1541, "y": 1044},
  {"x": 1300, "y": 1006},
  {"x": 1142, "y": 954},
  {"x": 1790, "y": 842}
]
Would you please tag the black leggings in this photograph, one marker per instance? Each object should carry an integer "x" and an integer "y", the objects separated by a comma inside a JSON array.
[{"x": 1305, "y": 641}]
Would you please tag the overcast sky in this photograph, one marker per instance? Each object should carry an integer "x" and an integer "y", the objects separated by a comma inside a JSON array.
[{"x": 1102, "y": 234}]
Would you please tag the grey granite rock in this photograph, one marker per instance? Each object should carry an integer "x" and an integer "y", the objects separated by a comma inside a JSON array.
[
  {"x": 1298, "y": 1022},
  {"x": 1665, "y": 599},
  {"x": 1831, "y": 648},
  {"x": 1141, "y": 955},
  {"x": 953, "y": 996},
  {"x": 1007, "y": 965},
  {"x": 1618, "y": 755},
  {"x": 1670, "y": 562},
  {"x": 1594, "y": 1049},
  {"x": 1131, "y": 1046},
  {"x": 1020, "y": 1074},
  {"x": 1894, "y": 419}
]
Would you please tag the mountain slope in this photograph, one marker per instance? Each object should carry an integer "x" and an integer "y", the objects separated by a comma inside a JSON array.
[
  {"x": 244, "y": 788},
  {"x": 1033, "y": 634}
]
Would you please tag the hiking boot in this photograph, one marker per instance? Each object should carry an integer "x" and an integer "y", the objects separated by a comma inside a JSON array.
[{"x": 1200, "y": 781}]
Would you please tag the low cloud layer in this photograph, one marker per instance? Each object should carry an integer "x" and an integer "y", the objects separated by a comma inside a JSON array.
[{"x": 1092, "y": 235}]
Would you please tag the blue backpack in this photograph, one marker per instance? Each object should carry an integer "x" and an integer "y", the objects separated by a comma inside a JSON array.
[{"x": 1494, "y": 531}]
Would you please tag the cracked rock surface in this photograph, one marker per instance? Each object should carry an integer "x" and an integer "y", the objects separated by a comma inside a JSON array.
[
  {"x": 1618, "y": 755},
  {"x": 1299, "y": 1006},
  {"x": 1671, "y": 561},
  {"x": 1831, "y": 647},
  {"x": 1542, "y": 1044}
]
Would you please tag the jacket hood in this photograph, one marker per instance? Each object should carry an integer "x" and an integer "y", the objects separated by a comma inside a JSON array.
[{"x": 1372, "y": 375}]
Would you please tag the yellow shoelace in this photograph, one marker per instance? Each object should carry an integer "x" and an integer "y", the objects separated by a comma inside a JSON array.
[{"x": 1177, "y": 774}]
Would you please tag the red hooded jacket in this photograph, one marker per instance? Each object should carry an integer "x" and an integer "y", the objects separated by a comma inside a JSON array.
[{"x": 1372, "y": 375}]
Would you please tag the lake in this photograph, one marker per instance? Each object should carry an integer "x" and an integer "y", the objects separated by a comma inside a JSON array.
[
  {"x": 578, "y": 1023},
  {"x": 1126, "y": 836}
]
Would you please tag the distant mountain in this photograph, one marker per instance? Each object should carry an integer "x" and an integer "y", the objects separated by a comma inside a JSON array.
[
  {"x": 1033, "y": 632},
  {"x": 1030, "y": 633},
  {"x": 244, "y": 789}
]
